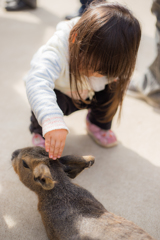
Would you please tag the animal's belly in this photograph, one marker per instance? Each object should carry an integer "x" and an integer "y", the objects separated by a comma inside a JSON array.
[{"x": 109, "y": 227}]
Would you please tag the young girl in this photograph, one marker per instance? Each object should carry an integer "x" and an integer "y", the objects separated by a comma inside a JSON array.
[{"x": 86, "y": 64}]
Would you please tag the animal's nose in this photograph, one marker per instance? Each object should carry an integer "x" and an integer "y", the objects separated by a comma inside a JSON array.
[{"x": 15, "y": 154}]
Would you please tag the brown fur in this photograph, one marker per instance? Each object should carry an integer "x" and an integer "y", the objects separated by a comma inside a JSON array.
[{"x": 68, "y": 211}]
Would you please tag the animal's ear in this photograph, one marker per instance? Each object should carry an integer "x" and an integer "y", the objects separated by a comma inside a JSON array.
[
  {"x": 73, "y": 165},
  {"x": 43, "y": 177}
]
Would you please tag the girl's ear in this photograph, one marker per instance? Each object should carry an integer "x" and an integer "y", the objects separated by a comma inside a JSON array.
[
  {"x": 73, "y": 165},
  {"x": 43, "y": 177}
]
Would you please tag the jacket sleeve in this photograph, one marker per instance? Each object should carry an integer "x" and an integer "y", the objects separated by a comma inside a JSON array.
[{"x": 46, "y": 68}]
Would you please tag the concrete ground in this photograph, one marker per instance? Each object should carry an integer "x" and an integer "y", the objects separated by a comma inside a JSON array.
[{"x": 126, "y": 178}]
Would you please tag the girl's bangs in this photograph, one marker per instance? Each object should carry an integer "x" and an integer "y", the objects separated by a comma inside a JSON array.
[{"x": 105, "y": 62}]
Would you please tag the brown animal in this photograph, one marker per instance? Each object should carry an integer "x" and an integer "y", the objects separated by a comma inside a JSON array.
[{"x": 68, "y": 211}]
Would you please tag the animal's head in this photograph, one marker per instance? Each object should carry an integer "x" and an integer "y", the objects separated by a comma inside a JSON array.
[{"x": 36, "y": 170}]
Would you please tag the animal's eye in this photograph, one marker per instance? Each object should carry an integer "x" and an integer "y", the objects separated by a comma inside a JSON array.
[{"x": 25, "y": 164}]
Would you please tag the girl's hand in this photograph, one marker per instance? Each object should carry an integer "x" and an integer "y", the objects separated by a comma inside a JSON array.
[{"x": 55, "y": 142}]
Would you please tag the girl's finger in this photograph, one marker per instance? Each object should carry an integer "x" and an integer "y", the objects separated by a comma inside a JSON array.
[
  {"x": 61, "y": 149},
  {"x": 47, "y": 144},
  {"x": 52, "y": 147},
  {"x": 56, "y": 150}
]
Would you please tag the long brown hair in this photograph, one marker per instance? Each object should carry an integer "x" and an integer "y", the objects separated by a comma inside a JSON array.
[{"x": 105, "y": 40}]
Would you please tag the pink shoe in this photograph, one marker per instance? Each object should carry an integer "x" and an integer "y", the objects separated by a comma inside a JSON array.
[
  {"x": 37, "y": 140},
  {"x": 105, "y": 138}
]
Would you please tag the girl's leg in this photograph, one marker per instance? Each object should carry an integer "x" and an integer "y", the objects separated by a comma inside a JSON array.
[
  {"x": 82, "y": 9},
  {"x": 101, "y": 97},
  {"x": 84, "y": 3},
  {"x": 147, "y": 86},
  {"x": 100, "y": 132},
  {"x": 66, "y": 105}
]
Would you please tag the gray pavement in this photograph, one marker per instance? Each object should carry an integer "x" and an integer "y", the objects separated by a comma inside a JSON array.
[{"x": 126, "y": 178}]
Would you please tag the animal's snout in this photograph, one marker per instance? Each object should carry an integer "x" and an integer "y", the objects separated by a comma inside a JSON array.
[{"x": 15, "y": 154}]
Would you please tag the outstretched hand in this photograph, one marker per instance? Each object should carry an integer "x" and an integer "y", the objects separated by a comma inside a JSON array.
[{"x": 55, "y": 142}]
